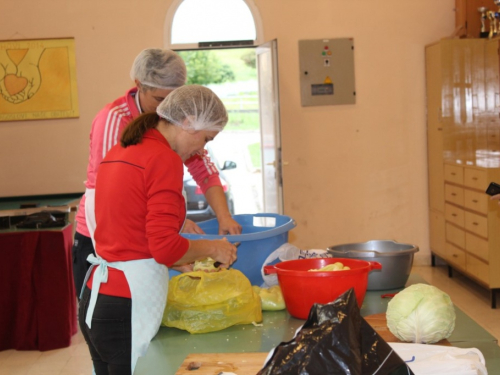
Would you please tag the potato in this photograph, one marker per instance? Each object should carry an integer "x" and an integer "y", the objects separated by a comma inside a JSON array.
[{"x": 337, "y": 266}]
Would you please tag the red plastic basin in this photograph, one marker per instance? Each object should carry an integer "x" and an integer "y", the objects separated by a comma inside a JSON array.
[{"x": 301, "y": 288}]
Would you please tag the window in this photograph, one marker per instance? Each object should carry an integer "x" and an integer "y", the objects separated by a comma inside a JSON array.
[{"x": 190, "y": 22}]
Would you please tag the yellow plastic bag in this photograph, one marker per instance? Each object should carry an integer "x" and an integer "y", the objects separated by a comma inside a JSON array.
[{"x": 201, "y": 302}]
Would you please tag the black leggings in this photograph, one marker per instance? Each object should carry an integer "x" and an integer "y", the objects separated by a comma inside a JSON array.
[
  {"x": 110, "y": 338},
  {"x": 82, "y": 248}
]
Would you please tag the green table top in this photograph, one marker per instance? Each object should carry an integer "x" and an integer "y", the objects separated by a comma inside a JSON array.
[{"x": 170, "y": 346}]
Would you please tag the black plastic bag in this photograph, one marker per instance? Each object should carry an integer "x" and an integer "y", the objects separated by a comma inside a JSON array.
[{"x": 335, "y": 339}]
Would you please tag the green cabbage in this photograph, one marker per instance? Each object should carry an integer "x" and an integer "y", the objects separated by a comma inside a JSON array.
[
  {"x": 422, "y": 314},
  {"x": 271, "y": 298}
]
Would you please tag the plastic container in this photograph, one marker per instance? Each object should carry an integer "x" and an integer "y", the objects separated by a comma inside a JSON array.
[
  {"x": 396, "y": 259},
  {"x": 261, "y": 235},
  {"x": 302, "y": 288}
]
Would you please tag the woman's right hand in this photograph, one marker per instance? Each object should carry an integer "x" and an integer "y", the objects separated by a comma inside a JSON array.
[{"x": 224, "y": 252}]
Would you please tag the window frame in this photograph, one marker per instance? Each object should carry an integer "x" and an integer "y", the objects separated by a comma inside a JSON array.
[{"x": 167, "y": 32}]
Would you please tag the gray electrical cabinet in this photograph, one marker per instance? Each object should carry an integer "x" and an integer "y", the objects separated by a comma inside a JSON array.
[{"x": 327, "y": 71}]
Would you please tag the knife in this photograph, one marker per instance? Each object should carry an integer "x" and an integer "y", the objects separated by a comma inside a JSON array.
[{"x": 217, "y": 264}]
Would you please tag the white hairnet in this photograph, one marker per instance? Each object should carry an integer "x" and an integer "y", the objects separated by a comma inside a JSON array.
[
  {"x": 159, "y": 68},
  {"x": 194, "y": 107}
]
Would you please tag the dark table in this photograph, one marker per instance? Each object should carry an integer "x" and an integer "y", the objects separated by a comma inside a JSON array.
[
  {"x": 14, "y": 209},
  {"x": 38, "y": 303}
]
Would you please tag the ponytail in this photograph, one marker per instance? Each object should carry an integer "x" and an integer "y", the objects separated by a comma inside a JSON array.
[{"x": 134, "y": 131}]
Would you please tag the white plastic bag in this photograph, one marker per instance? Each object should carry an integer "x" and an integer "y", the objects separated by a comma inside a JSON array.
[
  {"x": 286, "y": 251},
  {"x": 437, "y": 359}
]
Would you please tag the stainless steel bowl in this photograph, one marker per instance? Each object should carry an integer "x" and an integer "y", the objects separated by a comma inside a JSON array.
[{"x": 396, "y": 259}]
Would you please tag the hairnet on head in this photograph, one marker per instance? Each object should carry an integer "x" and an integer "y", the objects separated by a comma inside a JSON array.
[
  {"x": 194, "y": 107},
  {"x": 159, "y": 68}
]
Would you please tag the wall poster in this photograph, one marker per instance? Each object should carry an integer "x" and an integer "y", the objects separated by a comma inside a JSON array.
[{"x": 38, "y": 79}]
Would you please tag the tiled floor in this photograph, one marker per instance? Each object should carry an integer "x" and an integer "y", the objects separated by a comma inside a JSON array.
[{"x": 75, "y": 360}]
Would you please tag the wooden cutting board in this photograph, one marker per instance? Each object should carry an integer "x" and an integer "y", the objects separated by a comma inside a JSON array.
[
  {"x": 251, "y": 363},
  {"x": 215, "y": 363}
]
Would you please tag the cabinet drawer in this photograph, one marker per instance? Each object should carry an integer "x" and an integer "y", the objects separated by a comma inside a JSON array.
[
  {"x": 476, "y": 201},
  {"x": 454, "y": 194},
  {"x": 455, "y": 235},
  {"x": 454, "y": 215},
  {"x": 455, "y": 255},
  {"x": 454, "y": 173},
  {"x": 477, "y": 246},
  {"x": 476, "y": 224},
  {"x": 476, "y": 178},
  {"x": 478, "y": 268}
]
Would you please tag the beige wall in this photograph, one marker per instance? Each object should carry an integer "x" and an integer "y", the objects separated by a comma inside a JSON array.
[{"x": 354, "y": 173}]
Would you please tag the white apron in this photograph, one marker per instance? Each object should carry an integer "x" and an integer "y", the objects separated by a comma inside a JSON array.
[
  {"x": 148, "y": 282},
  {"x": 90, "y": 212}
]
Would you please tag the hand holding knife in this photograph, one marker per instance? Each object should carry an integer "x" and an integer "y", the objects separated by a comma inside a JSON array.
[{"x": 217, "y": 264}]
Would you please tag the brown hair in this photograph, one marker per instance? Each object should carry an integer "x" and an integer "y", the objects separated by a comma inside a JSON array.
[{"x": 134, "y": 131}]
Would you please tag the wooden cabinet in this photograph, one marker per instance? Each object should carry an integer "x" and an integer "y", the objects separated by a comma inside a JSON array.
[{"x": 463, "y": 130}]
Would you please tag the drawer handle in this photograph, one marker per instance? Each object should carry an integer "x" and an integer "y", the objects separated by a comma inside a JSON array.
[
  {"x": 474, "y": 201},
  {"x": 454, "y": 215},
  {"x": 454, "y": 255},
  {"x": 453, "y": 194},
  {"x": 474, "y": 223},
  {"x": 474, "y": 178},
  {"x": 453, "y": 174}
]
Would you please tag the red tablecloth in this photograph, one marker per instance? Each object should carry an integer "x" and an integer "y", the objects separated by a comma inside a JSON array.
[{"x": 37, "y": 294}]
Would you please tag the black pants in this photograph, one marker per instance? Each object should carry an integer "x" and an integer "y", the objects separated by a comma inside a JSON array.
[
  {"x": 82, "y": 248},
  {"x": 110, "y": 338}
]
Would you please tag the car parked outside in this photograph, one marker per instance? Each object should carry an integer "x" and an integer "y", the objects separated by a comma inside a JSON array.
[{"x": 198, "y": 208}]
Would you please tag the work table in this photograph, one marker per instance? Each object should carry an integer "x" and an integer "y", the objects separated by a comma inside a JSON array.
[{"x": 170, "y": 346}]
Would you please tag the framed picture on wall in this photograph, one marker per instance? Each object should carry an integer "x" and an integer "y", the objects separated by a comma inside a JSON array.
[{"x": 38, "y": 79}]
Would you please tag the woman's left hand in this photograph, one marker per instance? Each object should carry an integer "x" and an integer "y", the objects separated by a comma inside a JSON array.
[{"x": 191, "y": 227}]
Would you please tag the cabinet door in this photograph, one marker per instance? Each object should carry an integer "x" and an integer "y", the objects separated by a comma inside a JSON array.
[
  {"x": 437, "y": 233},
  {"x": 455, "y": 256},
  {"x": 463, "y": 96},
  {"x": 434, "y": 127},
  {"x": 492, "y": 83}
]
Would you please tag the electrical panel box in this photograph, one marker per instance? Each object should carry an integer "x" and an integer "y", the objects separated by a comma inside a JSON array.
[{"x": 327, "y": 71}]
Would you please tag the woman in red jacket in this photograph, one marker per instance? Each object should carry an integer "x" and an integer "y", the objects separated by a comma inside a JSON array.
[{"x": 140, "y": 211}]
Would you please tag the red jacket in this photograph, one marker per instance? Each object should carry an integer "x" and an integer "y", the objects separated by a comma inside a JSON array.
[
  {"x": 139, "y": 207},
  {"x": 107, "y": 128}
]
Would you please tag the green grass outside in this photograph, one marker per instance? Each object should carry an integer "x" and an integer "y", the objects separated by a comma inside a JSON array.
[
  {"x": 255, "y": 155},
  {"x": 243, "y": 121}
]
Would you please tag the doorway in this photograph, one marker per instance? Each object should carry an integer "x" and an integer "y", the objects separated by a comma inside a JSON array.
[
  {"x": 232, "y": 74},
  {"x": 222, "y": 33}
]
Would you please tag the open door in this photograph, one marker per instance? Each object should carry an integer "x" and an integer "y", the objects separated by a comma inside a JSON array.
[{"x": 267, "y": 68}]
